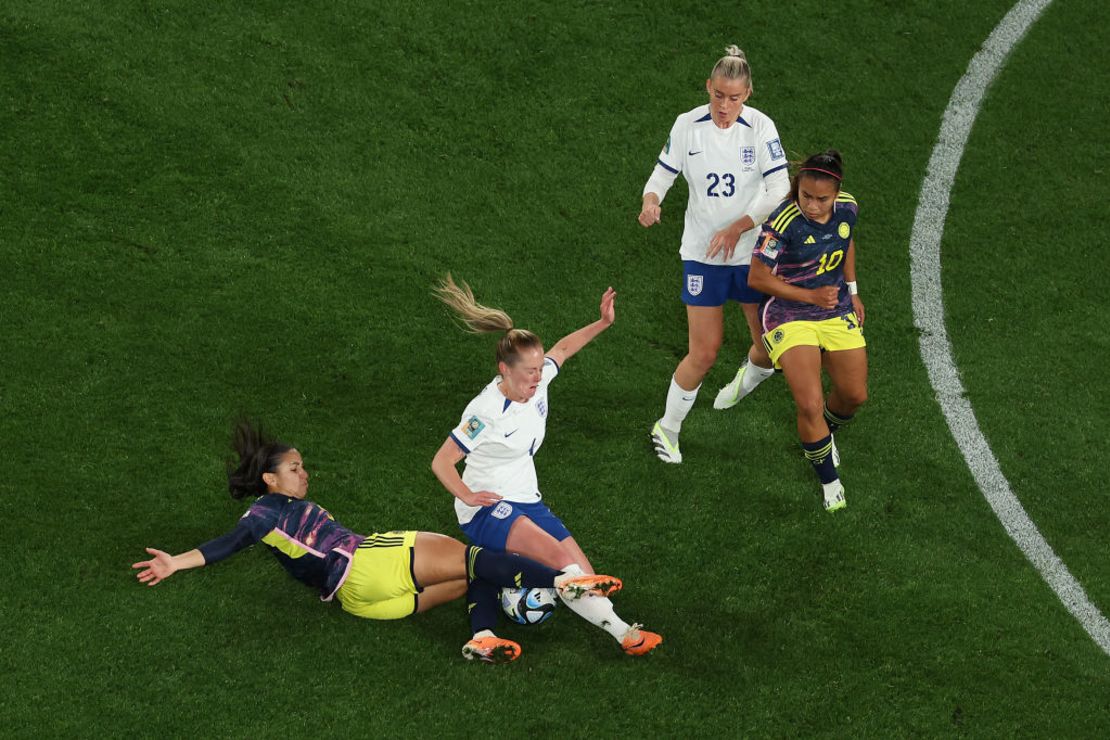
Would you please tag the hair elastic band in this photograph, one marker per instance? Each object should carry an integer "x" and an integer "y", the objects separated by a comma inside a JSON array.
[{"x": 818, "y": 169}]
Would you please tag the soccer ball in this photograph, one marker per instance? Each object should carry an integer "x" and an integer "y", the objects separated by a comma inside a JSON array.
[{"x": 528, "y": 605}]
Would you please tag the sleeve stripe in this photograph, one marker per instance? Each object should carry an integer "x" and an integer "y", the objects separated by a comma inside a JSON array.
[
  {"x": 666, "y": 166},
  {"x": 775, "y": 169},
  {"x": 462, "y": 447},
  {"x": 552, "y": 361},
  {"x": 783, "y": 220}
]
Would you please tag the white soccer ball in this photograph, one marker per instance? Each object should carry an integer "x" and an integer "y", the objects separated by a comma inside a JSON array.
[{"x": 529, "y": 605}]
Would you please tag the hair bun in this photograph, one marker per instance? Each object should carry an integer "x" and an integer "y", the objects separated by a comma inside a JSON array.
[{"x": 732, "y": 50}]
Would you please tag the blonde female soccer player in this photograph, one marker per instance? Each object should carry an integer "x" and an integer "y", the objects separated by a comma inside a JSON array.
[
  {"x": 805, "y": 262},
  {"x": 383, "y": 576},
  {"x": 497, "y": 498},
  {"x": 735, "y": 166}
]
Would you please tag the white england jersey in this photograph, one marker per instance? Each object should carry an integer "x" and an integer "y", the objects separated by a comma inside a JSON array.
[
  {"x": 728, "y": 172},
  {"x": 500, "y": 437}
]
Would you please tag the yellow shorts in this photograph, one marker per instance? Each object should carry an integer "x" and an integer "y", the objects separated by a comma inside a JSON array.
[
  {"x": 841, "y": 332},
  {"x": 380, "y": 584}
]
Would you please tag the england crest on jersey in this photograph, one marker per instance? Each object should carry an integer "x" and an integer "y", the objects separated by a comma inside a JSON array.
[
  {"x": 694, "y": 284},
  {"x": 747, "y": 155}
]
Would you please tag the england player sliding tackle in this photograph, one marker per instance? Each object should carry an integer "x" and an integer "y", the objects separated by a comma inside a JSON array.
[{"x": 497, "y": 498}]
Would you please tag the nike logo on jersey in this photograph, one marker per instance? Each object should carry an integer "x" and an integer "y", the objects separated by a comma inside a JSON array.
[
  {"x": 690, "y": 154},
  {"x": 810, "y": 240},
  {"x": 509, "y": 434}
]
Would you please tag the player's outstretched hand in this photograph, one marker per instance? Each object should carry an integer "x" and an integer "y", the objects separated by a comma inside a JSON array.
[
  {"x": 480, "y": 498},
  {"x": 157, "y": 569},
  {"x": 724, "y": 241},
  {"x": 857, "y": 305},
  {"x": 609, "y": 306},
  {"x": 825, "y": 297}
]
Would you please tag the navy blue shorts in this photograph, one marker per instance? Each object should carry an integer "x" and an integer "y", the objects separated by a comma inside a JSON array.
[
  {"x": 713, "y": 285},
  {"x": 490, "y": 526}
]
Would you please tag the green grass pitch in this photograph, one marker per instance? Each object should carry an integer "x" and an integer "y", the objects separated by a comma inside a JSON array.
[{"x": 208, "y": 208}]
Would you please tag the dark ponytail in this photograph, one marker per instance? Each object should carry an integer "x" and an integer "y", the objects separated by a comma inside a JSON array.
[
  {"x": 257, "y": 453},
  {"x": 828, "y": 165}
]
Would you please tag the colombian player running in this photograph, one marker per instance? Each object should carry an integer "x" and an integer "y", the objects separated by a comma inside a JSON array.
[
  {"x": 386, "y": 575},
  {"x": 805, "y": 262},
  {"x": 735, "y": 166},
  {"x": 497, "y": 498}
]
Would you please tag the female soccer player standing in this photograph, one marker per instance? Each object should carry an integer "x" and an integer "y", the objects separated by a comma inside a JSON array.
[
  {"x": 497, "y": 498},
  {"x": 805, "y": 261},
  {"x": 735, "y": 167},
  {"x": 382, "y": 576}
]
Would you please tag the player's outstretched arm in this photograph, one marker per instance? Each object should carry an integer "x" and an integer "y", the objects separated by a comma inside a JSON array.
[
  {"x": 163, "y": 565},
  {"x": 566, "y": 347}
]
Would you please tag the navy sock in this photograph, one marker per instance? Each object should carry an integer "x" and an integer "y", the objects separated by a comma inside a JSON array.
[
  {"x": 835, "y": 421},
  {"x": 483, "y": 604},
  {"x": 819, "y": 453},
  {"x": 507, "y": 569}
]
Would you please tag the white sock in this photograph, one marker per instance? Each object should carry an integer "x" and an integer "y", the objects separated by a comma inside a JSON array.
[
  {"x": 483, "y": 633},
  {"x": 753, "y": 376},
  {"x": 679, "y": 403},
  {"x": 597, "y": 610}
]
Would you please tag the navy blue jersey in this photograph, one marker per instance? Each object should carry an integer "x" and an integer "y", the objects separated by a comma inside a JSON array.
[
  {"x": 303, "y": 536},
  {"x": 809, "y": 255}
]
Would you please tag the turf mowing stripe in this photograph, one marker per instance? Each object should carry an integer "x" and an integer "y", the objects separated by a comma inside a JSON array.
[{"x": 928, "y": 311}]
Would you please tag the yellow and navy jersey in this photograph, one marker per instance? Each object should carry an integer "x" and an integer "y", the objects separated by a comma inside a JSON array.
[
  {"x": 302, "y": 535},
  {"x": 806, "y": 254}
]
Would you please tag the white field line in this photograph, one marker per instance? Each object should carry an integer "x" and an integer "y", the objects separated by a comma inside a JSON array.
[{"x": 928, "y": 311}]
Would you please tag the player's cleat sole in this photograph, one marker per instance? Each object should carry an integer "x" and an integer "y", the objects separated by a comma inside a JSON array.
[
  {"x": 639, "y": 641},
  {"x": 580, "y": 586},
  {"x": 833, "y": 495},
  {"x": 491, "y": 650},
  {"x": 665, "y": 450},
  {"x": 731, "y": 394}
]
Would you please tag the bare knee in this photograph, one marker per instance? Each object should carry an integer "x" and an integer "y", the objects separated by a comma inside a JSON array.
[
  {"x": 704, "y": 356},
  {"x": 810, "y": 410}
]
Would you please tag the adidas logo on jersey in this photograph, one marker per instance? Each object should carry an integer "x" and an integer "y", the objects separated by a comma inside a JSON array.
[{"x": 810, "y": 240}]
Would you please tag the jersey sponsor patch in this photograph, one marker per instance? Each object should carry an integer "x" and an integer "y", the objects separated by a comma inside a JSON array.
[
  {"x": 770, "y": 247},
  {"x": 502, "y": 510},
  {"x": 472, "y": 427},
  {"x": 774, "y": 147},
  {"x": 747, "y": 155},
  {"x": 694, "y": 284},
  {"x": 844, "y": 230}
]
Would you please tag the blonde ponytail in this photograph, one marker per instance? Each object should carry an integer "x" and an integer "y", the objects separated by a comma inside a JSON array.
[{"x": 480, "y": 319}]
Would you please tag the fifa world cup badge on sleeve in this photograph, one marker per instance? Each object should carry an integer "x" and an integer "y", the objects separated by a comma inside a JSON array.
[
  {"x": 694, "y": 284},
  {"x": 770, "y": 247},
  {"x": 472, "y": 427},
  {"x": 774, "y": 148}
]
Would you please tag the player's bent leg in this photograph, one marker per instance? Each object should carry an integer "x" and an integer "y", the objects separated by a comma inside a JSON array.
[
  {"x": 437, "y": 558},
  {"x": 802, "y": 367},
  {"x": 527, "y": 539},
  {"x": 440, "y": 593},
  {"x": 755, "y": 368},
  {"x": 848, "y": 371}
]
